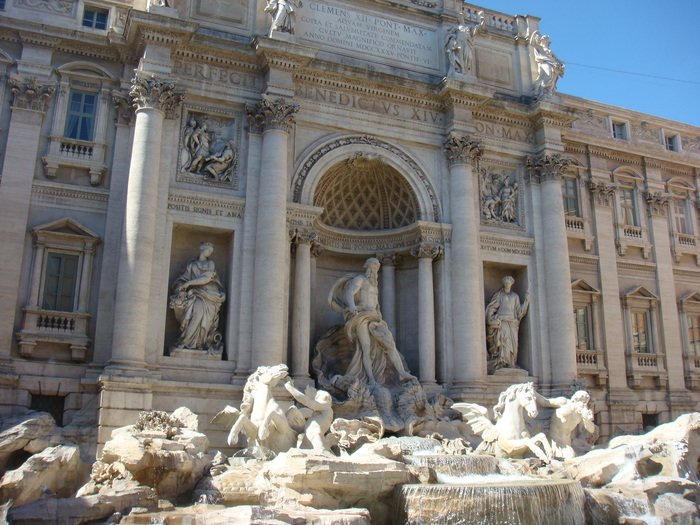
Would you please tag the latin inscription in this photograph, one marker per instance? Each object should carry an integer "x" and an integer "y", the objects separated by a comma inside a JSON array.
[
  {"x": 368, "y": 34},
  {"x": 210, "y": 211},
  {"x": 217, "y": 74},
  {"x": 500, "y": 131},
  {"x": 364, "y": 103}
]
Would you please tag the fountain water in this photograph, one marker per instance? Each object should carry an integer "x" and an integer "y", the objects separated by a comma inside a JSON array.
[{"x": 470, "y": 491}]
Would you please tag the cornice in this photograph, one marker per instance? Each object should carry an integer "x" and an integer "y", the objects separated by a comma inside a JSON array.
[
  {"x": 645, "y": 267},
  {"x": 590, "y": 260},
  {"x": 276, "y": 54},
  {"x": 501, "y": 116},
  {"x": 513, "y": 245},
  {"x": 575, "y": 147},
  {"x": 235, "y": 60},
  {"x": 618, "y": 156}
]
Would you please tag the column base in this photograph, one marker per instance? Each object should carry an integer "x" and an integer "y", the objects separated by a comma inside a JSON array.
[{"x": 125, "y": 369}]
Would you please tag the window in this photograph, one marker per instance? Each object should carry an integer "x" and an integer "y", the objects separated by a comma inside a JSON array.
[
  {"x": 95, "y": 18},
  {"x": 680, "y": 216},
  {"x": 619, "y": 130},
  {"x": 60, "y": 281},
  {"x": 672, "y": 142},
  {"x": 570, "y": 196},
  {"x": 583, "y": 328},
  {"x": 2, "y": 5},
  {"x": 693, "y": 335},
  {"x": 80, "y": 121},
  {"x": 640, "y": 333},
  {"x": 629, "y": 207}
]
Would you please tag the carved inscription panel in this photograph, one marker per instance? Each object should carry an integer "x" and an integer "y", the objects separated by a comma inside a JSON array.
[{"x": 383, "y": 38}]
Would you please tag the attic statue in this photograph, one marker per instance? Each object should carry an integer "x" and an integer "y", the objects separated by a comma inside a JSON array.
[{"x": 459, "y": 44}]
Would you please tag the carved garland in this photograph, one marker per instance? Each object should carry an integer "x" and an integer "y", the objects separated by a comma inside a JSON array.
[{"x": 368, "y": 141}]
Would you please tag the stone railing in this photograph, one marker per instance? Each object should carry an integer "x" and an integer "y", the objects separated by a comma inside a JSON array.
[
  {"x": 587, "y": 358},
  {"x": 633, "y": 232},
  {"x": 592, "y": 362},
  {"x": 642, "y": 364},
  {"x": 50, "y": 326},
  {"x": 76, "y": 149},
  {"x": 685, "y": 239},
  {"x": 685, "y": 244},
  {"x": 693, "y": 372},
  {"x": 573, "y": 223},
  {"x": 493, "y": 19}
]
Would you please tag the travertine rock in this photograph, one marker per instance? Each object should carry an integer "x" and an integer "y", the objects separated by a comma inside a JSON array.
[
  {"x": 252, "y": 515},
  {"x": 33, "y": 431},
  {"x": 54, "y": 471},
  {"x": 328, "y": 482},
  {"x": 172, "y": 466},
  {"x": 85, "y": 509},
  {"x": 232, "y": 487}
]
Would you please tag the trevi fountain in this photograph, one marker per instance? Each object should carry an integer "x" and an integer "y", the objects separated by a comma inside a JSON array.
[{"x": 365, "y": 444}]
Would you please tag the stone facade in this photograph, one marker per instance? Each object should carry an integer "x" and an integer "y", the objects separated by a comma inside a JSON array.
[{"x": 298, "y": 143}]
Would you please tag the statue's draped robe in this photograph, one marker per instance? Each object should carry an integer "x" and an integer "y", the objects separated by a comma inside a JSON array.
[
  {"x": 503, "y": 339},
  {"x": 198, "y": 311}
]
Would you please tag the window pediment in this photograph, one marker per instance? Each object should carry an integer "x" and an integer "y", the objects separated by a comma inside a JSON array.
[{"x": 581, "y": 286}]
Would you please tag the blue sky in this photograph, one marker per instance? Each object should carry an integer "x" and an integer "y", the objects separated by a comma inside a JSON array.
[{"x": 651, "y": 37}]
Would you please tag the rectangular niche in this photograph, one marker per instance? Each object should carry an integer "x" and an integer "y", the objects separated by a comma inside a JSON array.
[
  {"x": 493, "y": 276},
  {"x": 209, "y": 150},
  {"x": 186, "y": 241}
]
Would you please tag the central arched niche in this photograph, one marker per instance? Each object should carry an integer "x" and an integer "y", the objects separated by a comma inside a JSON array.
[{"x": 366, "y": 194}]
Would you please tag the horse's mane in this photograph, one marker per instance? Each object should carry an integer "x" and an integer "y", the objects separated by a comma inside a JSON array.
[
  {"x": 250, "y": 384},
  {"x": 508, "y": 395}
]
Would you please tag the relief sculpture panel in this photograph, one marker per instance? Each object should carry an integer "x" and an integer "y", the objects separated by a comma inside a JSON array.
[{"x": 499, "y": 197}]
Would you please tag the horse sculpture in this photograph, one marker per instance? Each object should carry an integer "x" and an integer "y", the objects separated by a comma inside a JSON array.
[
  {"x": 508, "y": 436},
  {"x": 260, "y": 417}
]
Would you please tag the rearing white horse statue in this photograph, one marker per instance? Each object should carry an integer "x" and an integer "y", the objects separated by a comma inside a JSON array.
[{"x": 508, "y": 436}]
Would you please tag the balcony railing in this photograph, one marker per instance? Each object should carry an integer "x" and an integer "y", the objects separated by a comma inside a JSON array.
[
  {"x": 633, "y": 232},
  {"x": 685, "y": 239},
  {"x": 50, "y": 326},
  {"x": 76, "y": 149},
  {"x": 574, "y": 223}
]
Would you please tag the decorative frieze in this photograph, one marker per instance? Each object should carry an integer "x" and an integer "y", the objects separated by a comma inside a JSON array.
[
  {"x": 461, "y": 149},
  {"x": 509, "y": 245},
  {"x": 546, "y": 167},
  {"x": 154, "y": 93},
  {"x": 30, "y": 94},
  {"x": 657, "y": 203},
  {"x": 209, "y": 154},
  {"x": 499, "y": 197},
  {"x": 603, "y": 192},
  {"x": 271, "y": 113},
  {"x": 56, "y": 7}
]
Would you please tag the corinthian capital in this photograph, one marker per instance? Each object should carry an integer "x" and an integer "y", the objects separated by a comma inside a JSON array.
[
  {"x": 29, "y": 94},
  {"x": 271, "y": 113},
  {"x": 460, "y": 149},
  {"x": 657, "y": 203},
  {"x": 546, "y": 167},
  {"x": 427, "y": 250},
  {"x": 603, "y": 192},
  {"x": 154, "y": 93}
]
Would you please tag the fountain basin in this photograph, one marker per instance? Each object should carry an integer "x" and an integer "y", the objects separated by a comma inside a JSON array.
[
  {"x": 497, "y": 500},
  {"x": 454, "y": 465}
]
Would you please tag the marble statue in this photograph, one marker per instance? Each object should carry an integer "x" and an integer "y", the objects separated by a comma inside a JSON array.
[
  {"x": 268, "y": 427},
  {"x": 459, "y": 44},
  {"x": 317, "y": 409},
  {"x": 207, "y": 153},
  {"x": 508, "y": 436},
  {"x": 358, "y": 362},
  {"x": 283, "y": 13},
  {"x": 503, "y": 315},
  {"x": 568, "y": 415},
  {"x": 196, "y": 301},
  {"x": 357, "y": 298},
  {"x": 499, "y": 198},
  {"x": 549, "y": 67}
]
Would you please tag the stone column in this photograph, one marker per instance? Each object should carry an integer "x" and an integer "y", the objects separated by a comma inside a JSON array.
[
  {"x": 668, "y": 334},
  {"x": 153, "y": 98},
  {"x": 275, "y": 117},
  {"x": 29, "y": 104},
  {"x": 425, "y": 253},
  {"x": 561, "y": 330},
  {"x": 387, "y": 297},
  {"x": 301, "y": 305},
  {"x": 469, "y": 356}
]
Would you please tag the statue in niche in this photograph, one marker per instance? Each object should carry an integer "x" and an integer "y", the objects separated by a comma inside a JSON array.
[
  {"x": 359, "y": 363},
  {"x": 196, "y": 301},
  {"x": 459, "y": 44},
  {"x": 549, "y": 67},
  {"x": 283, "y": 13},
  {"x": 499, "y": 198},
  {"x": 207, "y": 153},
  {"x": 503, "y": 315}
]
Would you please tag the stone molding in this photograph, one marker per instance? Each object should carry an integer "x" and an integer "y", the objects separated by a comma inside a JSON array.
[
  {"x": 197, "y": 203},
  {"x": 271, "y": 113},
  {"x": 30, "y": 94},
  {"x": 364, "y": 140},
  {"x": 603, "y": 192},
  {"x": 123, "y": 108},
  {"x": 460, "y": 149},
  {"x": 303, "y": 235},
  {"x": 510, "y": 245},
  {"x": 154, "y": 93},
  {"x": 427, "y": 250},
  {"x": 546, "y": 167},
  {"x": 657, "y": 203}
]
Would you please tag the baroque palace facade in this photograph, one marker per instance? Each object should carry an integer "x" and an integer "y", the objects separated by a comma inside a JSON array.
[{"x": 297, "y": 141}]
